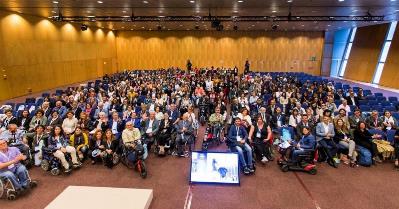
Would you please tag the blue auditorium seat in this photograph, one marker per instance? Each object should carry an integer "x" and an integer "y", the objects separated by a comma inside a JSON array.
[
  {"x": 378, "y": 94},
  {"x": 392, "y": 99},
  {"x": 390, "y": 108}
]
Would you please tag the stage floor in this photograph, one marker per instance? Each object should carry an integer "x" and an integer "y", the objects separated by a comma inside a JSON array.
[{"x": 102, "y": 198}]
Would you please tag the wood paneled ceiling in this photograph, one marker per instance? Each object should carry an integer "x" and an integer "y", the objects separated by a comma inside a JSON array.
[{"x": 389, "y": 9}]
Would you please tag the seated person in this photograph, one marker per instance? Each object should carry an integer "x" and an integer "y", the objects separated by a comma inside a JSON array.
[
  {"x": 216, "y": 121},
  {"x": 8, "y": 119},
  {"x": 36, "y": 141},
  {"x": 54, "y": 120},
  {"x": 343, "y": 137},
  {"x": 305, "y": 144},
  {"x": 12, "y": 169},
  {"x": 373, "y": 121},
  {"x": 14, "y": 138},
  {"x": 129, "y": 135},
  {"x": 101, "y": 123},
  {"x": 96, "y": 145},
  {"x": 304, "y": 123},
  {"x": 80, "y": 141},
  {"x": 165, "y": 132},
  {"x": 185, "y": 132},
  {"x": 260, "y": 136},
  {"x": 110, "y": 147},
  {"x": 396, "y": 144},
  {"x": 24, "y": 120},
  {"x": 324, "y": 136},
  {"x": 150, "y": 130},
  {"x": 236, "y": 140},
  {"x": 246, "y": 120},
  {"x": 38, "y": 119},
  {"x": 116, "y": 125},
  {"x": 355, "y": 118},
  {"x": 278, "y": 119},
  {"x": 60, "y": 146},
  {"x": 365, "y": 139},
  {"x": 389, "y": 122}
]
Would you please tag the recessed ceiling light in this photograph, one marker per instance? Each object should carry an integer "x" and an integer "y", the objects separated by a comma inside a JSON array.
[
  {"x": 192, "y": 2},
  {"x": 131, "y": 29},
  {"x": 145, "y": 2},
  {"x": 54, "y": 12},
  {"x": 240, "y": 1},
  {"x": 100, "y": 2},
  {"x": 341, "y": 0},
  {"x": 274, "y": 11},
  {"x": 55, "y": 2},
  {"x": 253, "y": 25},
  {"x": 161, "y": 16},
  {"x": 124, "y": 11},
  {"x": 235, "y": 11},
  {"x": 289, "y": 1},
  {"x": 142, "y": 27},
  {"x": 91, "y": 16}
]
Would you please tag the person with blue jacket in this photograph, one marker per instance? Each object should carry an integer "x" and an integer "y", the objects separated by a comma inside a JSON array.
[
  {"x": 236, "y": 140},
  {"x": 305, "y": 144}
]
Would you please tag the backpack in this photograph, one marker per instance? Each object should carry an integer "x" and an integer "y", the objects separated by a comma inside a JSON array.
[{"x": 364, "y": 156}]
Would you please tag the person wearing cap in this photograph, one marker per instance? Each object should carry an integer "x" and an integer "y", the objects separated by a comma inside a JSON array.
[{"x": 12, "y": 169}]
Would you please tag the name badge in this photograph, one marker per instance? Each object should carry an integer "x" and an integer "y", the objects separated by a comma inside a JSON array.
[
  {"x": 258, "y": 135},
  {"x": 238, "y": 138},
  {"x": 279, "y": 123}
]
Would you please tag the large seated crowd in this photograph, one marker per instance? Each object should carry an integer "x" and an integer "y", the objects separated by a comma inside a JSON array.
[{"x": 253, "y": 113}]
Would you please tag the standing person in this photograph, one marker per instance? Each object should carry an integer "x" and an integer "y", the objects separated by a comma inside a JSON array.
[
  {"x": 246, "y": 68},
  {"x": 260, "y": 135},
  {"x": 189, "y": 65}
]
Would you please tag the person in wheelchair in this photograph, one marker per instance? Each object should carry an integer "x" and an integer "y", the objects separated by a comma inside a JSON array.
[
  {"x": 165, "y": 132},
  {"x": 216, "y": 121},
  {"x": 185, "y": 134},
  {"x": 80, "y": 141},
  {"x": 60, "y": 146},
  {"x": 305, "y": 145},
  {"x": 260, "y": 136},
  {"x": 11, "y": 169},
  {"x": 14, "y": 138},
  {"x": 150, "y": 130},
  {"x": 36, "y": 141},
  {"x": 236, "y": 141},
  {"x": 129, "y": 135}
]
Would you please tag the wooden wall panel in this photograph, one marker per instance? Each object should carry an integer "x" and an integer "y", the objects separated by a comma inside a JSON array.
[
  {"x": 267, "y": 51},
  {"x": 365, "y": 52},
  {"x": 38, "y": 54},
  {"x": 390, "y": 75}
]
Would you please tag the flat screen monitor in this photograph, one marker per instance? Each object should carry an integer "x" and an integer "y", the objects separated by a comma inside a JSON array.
[{"x": 214, "y": 167}]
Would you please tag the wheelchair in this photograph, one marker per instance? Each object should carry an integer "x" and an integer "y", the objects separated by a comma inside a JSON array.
[
  {"x": 7, "y": 188},
  {"x": 138, "y": 163},
  {"x": 305, "y": 161},
  {"x": 28, "y": 162},
  {"x": 210, "y": 138},
  {"x": 53, "y": 164}
]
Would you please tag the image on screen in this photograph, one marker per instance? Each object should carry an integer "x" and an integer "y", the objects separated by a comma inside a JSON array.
[{"x": 214, "y": 167}]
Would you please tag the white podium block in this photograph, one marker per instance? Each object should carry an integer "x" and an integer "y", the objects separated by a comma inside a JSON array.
[{"x": 83, "y": 197}]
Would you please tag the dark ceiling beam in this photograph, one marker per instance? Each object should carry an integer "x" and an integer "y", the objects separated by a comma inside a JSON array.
[{"x": 213, "y": 18}]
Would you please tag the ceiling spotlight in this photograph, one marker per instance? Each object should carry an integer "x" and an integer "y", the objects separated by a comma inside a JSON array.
[
  {"x": 240, "y": 1},
  {"x": 100, "y": 2},
  {"x": 192, "y": 2},
  {"x": 83, "y": 27},
  {"x": 55, "y": 2},
  {"x": 289, "y": 1},
  {"x": 145, "y": 2}
]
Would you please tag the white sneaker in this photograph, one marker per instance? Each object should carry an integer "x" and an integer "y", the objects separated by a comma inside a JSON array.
[{"x": 264, "y": 159}]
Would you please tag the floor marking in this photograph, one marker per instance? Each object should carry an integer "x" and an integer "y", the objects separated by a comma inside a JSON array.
[
  {"x": 189, "y": 197},
  {"x": 316, "y": 204}
]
